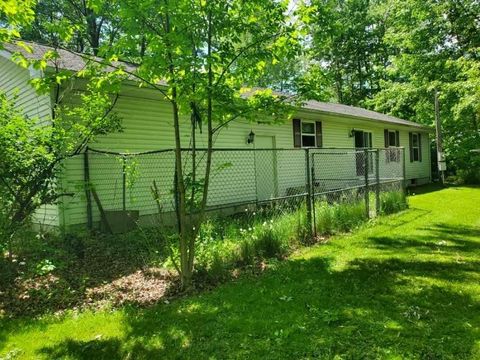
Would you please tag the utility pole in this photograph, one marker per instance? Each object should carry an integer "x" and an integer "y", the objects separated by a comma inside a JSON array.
[{"x": 441, "y": 163}]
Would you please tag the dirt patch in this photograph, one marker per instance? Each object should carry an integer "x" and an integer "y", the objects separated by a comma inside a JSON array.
[
  {"x": 51, "y": 293},
  {"x": 143, "y": 287}
]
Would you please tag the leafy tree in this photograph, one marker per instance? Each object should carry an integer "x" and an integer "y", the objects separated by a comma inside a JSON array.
[
  {"x": 91, "y": 26},
  {"x": 347, "y": 48},
  {"x": 390, "y": 55},
  {"x": 13, "y": 15},
  {"x": 34, "y": 149},
  {"x": 437, "y": 49},
  {"x": 204, "y": 57}
]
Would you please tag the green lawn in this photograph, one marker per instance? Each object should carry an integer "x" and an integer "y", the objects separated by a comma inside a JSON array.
[{"x": 407, "y": 286}]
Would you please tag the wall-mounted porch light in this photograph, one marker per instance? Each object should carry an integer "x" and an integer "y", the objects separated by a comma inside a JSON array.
[
  {"x": 352, "y": 133},
  {"x": 251, "y": 137}
]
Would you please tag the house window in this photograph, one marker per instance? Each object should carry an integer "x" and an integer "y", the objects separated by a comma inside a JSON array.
[
  {"x": 415, "y": 147},
  {"x": 363, "y": 140},
  {"x": 308, "y": 134},
  {"x": 392, "y": 142}
]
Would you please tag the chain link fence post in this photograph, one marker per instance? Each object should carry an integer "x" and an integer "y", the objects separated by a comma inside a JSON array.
[
  {"x": 367, "y": 195},
  {"x": 404, "y": 180},
  {"x": 124, "y": 183},
  {"x": 88, "y": 193},
  {"x": 313, "y": 181},
  {"x": 377, "y": 182},
  {"x": 309, "y": 193}
]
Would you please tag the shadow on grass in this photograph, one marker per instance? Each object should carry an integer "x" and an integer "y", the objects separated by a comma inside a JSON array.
[
  {"x": 455, "y": 232},
  {"x": 307, "y": 309},
  {"x": 94, "y": 349},
  {"x": 433, "y": 187},
  {"x": 79, "y": 262},
  {"x": 413, "y": 214},
  {"x": 424, "y": 189},
  {"x": 441, "y": 237}
]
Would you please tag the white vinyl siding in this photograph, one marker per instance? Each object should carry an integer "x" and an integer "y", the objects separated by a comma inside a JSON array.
[
  {"x": 14, "y": 81},
  {"x": 148, "y": 125}
]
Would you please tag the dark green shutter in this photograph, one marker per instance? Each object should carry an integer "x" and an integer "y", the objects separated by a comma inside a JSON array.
[
  {"x": 318, "y": 133},
  {"x": 397, "y": 138},
  {"x": 410, "y": 140},
  {"x": 419, "y": 147},
  {"x": 385, "y": 134},
  {"x": 297, "y": 133}
]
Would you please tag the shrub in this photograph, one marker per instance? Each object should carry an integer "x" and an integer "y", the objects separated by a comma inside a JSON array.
[
  {"x": 217, "y": 269},
  {"x": 392, "y": 202},
  {"x": 44, "y": 267},
  {"x": 469, "y": 177},
  {"x": 215, "y": 255}
]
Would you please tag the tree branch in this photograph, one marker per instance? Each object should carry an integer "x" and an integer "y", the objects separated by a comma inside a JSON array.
[
  {"x": 99, "y": 61},
  {"x": 84, "y": 142},
  {"x": 242, "y": 52}
]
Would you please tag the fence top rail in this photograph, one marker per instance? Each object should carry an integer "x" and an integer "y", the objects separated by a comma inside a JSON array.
[
  {"x": 108, "y": 152},
  {"x": 313, "y": 150},
  {"x": 354, "y": 149}
]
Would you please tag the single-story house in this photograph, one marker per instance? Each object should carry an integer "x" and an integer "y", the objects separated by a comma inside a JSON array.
[{"x": 147, "y": 123}]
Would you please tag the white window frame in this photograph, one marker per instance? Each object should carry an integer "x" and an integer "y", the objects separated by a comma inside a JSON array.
[
  {"x": 314, "y": 135},
  {"x": 393, "y": 155},
  {"x": 417, "y": 147},
  {"x": 368, "y": 136},
  {"x": 394, "y": 132}
]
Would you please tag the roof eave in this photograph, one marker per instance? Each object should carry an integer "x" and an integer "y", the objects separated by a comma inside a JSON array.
[{"x": 359, "y": 117}]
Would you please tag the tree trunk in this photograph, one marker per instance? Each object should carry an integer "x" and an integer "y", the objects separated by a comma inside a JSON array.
[
  {"x": 184, "y": 225},
  {"x": 208, "y": 165}
]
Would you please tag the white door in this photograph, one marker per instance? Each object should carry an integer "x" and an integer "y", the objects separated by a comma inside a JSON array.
[{"x": 265, "y": 167}]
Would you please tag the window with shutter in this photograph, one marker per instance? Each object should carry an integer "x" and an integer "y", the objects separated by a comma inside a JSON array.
[
  {"x": 307, "y": 133},
  {"x": 363, "y": 140},
  {"x": 392, "y": 140},
  {"x": 415, "y": 147}
]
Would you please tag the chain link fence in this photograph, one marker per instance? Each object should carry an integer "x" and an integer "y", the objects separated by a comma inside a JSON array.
[{"x": 126, "y": 189}]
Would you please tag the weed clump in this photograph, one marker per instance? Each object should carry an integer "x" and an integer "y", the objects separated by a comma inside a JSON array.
[
  {"x": 338, "y": 217},
  {"x": 392, "y": 202}
]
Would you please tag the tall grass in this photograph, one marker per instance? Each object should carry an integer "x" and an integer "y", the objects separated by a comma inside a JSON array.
[
  {"x": 273, "y": 232},
  {"x": 246, "y": 239},
  {"x": 392, "y": 202},
  {"x": 338, "y": 217}
]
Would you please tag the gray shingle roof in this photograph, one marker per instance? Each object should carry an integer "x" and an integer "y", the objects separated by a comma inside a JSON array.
[
  {"x": 69, "y": 60},
  {"x": 346, "y": 110}
]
